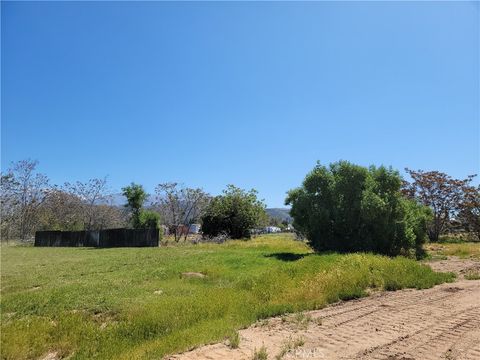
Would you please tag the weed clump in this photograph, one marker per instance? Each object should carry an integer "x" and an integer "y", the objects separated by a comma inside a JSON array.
[
  {"x": 260, "y": 354},
  {"x": 234, "y": 340},
  {"x": 472, "y": 275}
]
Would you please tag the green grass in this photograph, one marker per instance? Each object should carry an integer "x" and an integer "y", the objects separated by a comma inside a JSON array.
[
  {"x": 234, "y": 340},
  {"x": 134, "y": 304},
  {"x": 457, "y": 238}
]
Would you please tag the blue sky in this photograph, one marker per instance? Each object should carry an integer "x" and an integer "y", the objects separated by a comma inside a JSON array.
[{"x": 246, "y": 93}]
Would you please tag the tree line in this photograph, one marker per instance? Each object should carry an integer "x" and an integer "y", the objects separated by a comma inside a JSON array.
[
  {"x": 345, "y": 207},
  {"x": 453, "y": 202},
  {"x": 340, "y": 207},
  {"x": 232, "y": 214},
  {"x": 29, "y": 202}
]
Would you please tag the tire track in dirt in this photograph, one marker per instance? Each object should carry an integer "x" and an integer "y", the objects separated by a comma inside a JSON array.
[{"x": 438, "y": 323}]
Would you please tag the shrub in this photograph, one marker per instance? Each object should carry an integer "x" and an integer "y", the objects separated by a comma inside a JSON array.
[
  {"x": 149, "y": 219},
  {"x": 261, "y": 354},
  {"x": 472, "y": 275},
  {"x": 234, "y": 213},
  {"x": 348, "y": 208},
  {"x": 234, "y": 340},
  {"x": 288, "y": 346}
]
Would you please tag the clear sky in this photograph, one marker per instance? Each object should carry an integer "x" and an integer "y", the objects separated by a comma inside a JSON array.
[{"x": 251, "y": 94}]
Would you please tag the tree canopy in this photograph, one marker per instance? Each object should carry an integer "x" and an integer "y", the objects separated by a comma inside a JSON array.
[
  {"x": 346, "y": 208},
  {"x": 140, "y": 218},
  {"x": 235, "y": 213},
  {"x": 442, "y": 193}
]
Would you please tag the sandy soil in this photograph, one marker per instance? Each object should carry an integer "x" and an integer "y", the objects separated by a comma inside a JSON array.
[{"x": 438, "y": 323}]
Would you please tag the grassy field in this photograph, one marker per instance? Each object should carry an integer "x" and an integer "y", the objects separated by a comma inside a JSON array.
[
  {"x": 135, "y": 303},
  {"x": 462, "y": 250}
]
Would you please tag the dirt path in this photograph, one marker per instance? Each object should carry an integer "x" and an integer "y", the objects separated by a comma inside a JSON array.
[{"x": 438, "y": 323}]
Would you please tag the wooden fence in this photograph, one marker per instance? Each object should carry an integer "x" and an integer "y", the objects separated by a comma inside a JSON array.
[{"x": 102, "y": 238}]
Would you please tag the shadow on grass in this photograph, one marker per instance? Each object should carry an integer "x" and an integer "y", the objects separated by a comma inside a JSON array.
[{"x": 287, "y": 256}]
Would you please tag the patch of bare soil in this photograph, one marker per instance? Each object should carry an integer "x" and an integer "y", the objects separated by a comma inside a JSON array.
[
  {"x": 50, "y": 356},
  {"x": 456, "y": 265},
  {"x": 438, "y": 323},
  {"x": 193, "y": 275}
]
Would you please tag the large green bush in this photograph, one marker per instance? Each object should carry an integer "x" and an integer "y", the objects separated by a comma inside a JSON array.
[
  {"x": 149, "y": 219},
  {"x": 347, "y": 208},
  {"x": 235, "y": 213}
]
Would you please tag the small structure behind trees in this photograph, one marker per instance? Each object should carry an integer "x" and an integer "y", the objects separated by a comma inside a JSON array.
[{"x": 180, "y": 207}]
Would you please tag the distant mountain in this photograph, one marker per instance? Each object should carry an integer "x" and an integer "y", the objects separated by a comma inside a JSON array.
[
  {"x": 280, "y": 214},
  {"x": 119, "y": 200}
]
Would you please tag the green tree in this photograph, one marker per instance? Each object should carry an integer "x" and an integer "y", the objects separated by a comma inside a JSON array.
[
  {"x": 136, "y": 196},
  {"x": 347, "y": 207},
  {"x": 470, "y": 210},
  {"x": 417, "y": 218},
  {"x": 149, "y": 219},
  {"x": 442, "y": 193},
  {"x": 235, "y": 213}
]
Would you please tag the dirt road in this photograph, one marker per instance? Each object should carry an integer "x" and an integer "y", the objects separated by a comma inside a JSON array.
[{"x": 438, "y": 323}]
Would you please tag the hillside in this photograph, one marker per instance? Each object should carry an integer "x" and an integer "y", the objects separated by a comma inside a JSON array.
[{"x": 280, "y": 213}]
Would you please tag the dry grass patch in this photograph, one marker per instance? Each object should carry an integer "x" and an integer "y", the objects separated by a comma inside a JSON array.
[{"x": 462, "y": 250}]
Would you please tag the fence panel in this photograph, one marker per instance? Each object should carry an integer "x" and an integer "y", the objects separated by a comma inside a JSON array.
[{"x": 103, "y": 238}]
